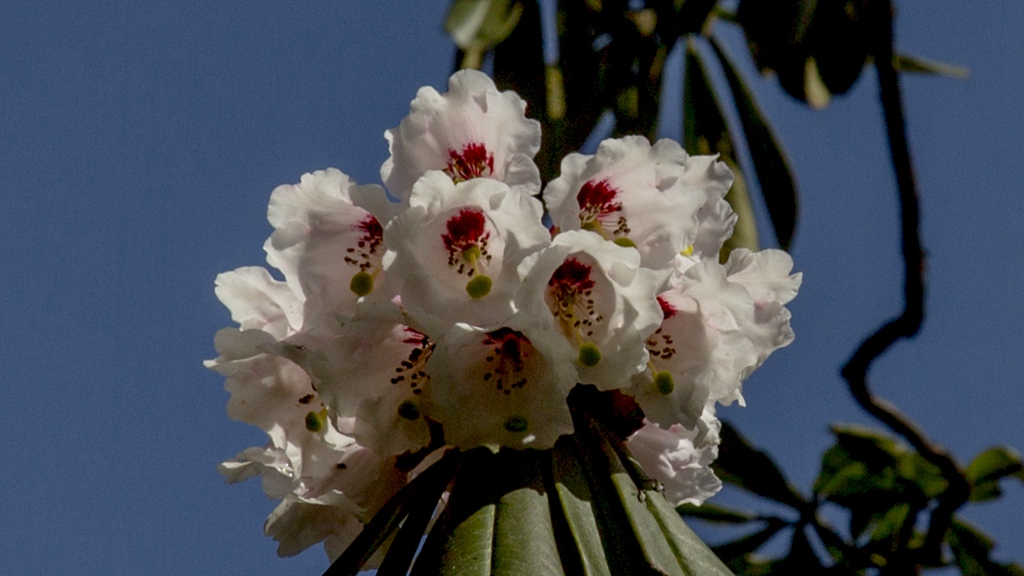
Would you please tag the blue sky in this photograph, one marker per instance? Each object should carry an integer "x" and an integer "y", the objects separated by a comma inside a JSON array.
[{"x": 140, "y": 143}]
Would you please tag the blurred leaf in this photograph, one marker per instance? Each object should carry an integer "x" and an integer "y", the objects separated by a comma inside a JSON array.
[
  {"x": 879, "y": 480},
  {"x": 867, "y": 463},
  {"x": 705, "y": 131},
  {"x": 815, "y": 92},
  {"x": 770, "y": 164},
  {"x": 519, "y": 66},
  {"x": 715, "y": 514},
  {"x": 971, "y": 548},
  {"x": 694, "y": 15},
  {"x": 741, "y": 464},
  {"x": 776, "y": 30},
  {"x": 582, "y": 78},
  {"x": 478, "y": 25},
  {"x": 833, "y": 542},
  {"x": 840, "y": 42},
  {"x": 519, "y": 61},
  {"x": 801, "y": 558},
  {"x": 915, "y": 64},
  {"x": 891, "y": 523},
  {"x": 991, "y": 466},
  {"x": 744, "y": 234},
  {"x": 740, "y": 548}
]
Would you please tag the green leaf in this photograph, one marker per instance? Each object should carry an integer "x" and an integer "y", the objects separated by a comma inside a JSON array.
[
  {"x": 715, "y": 514},
  {"x": 773, "y": 173},
  {"x": 991, "y": 466},
  {"x": 705, "y": 131},
  {"x": 655, "y": 539},
  {"x": 916, "y": 64},
  {"x": 460, "y": 542},
  {"x": 741, "y": 464},
  {"x": 694, "y": 556},
  {"x": 577, "y": 504},
  {"x": 622, "y": 546},
  {"x": 524, "y": 537},
  {"x": 656, "y": 549}
]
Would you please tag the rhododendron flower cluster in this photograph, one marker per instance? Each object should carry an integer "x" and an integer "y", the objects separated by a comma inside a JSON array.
[{"x": 441, "y": 310}]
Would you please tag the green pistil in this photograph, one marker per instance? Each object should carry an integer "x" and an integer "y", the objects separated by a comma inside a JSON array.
[
  {"x": 315, "y": 420},
  {"x": 409, "y": 410},
  {"x": 625, "y": 242},
  {"x": 471, "y": 254},
  {"x": 478, "y": 287},
  {"x": 591, "y": 225},
  {"x": 664, "y": 383},
  {"x": 516, "y": 424},
  {"x": 361, "y": 284},
  {"x": 589, "y": 355}
]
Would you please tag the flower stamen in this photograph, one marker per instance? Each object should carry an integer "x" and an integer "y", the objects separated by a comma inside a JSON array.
[
  {"x": 412, "y": 370},
  {"x": 600, "y": 212},
  {"x": 506, "y": 360},
  {"x": 466, "y": 239},
  {"x": 364, "y": 255},
  {"x": 473, "y": 162},
  {"x": 570, "y": 299}
]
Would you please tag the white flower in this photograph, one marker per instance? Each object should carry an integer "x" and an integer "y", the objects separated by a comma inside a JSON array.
[
  {"x": 679, "y": 458},
  {"x": 720, "y": 323},
  {"x": 699, "y": 353},
  {"x": 333, "y": 507},
  {"x": 457, "y": 247},
  {"x": 596, "y": 294},
  {"x": 502, "y": 387},
  {"x": 634, "y": 194},
  {"x": 766, "y": 276},
  {"x": 318, "y": 472},
  {"x": 453, "y": 314},
  {"x": 471, "y": 131},
  {"x": 266, "y": 390},
  {"x": 328, "y": 248},
  {"x": 369, "y": 370},
  {"x": 715, "y": 218},
  {"x": 257, "y": 301}
]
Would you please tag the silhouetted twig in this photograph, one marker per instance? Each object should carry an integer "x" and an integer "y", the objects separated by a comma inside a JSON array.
[{"x": 909, "y": 321}]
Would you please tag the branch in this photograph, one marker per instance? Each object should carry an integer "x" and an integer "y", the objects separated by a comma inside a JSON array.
[{"x": 909, "y": 321}]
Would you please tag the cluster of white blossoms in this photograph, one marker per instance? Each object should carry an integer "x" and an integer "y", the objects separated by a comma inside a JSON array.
[{"x": 445, "y": 307}]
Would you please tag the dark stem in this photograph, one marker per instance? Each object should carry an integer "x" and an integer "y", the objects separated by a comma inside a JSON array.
[{"x": 909, "y": 321}]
